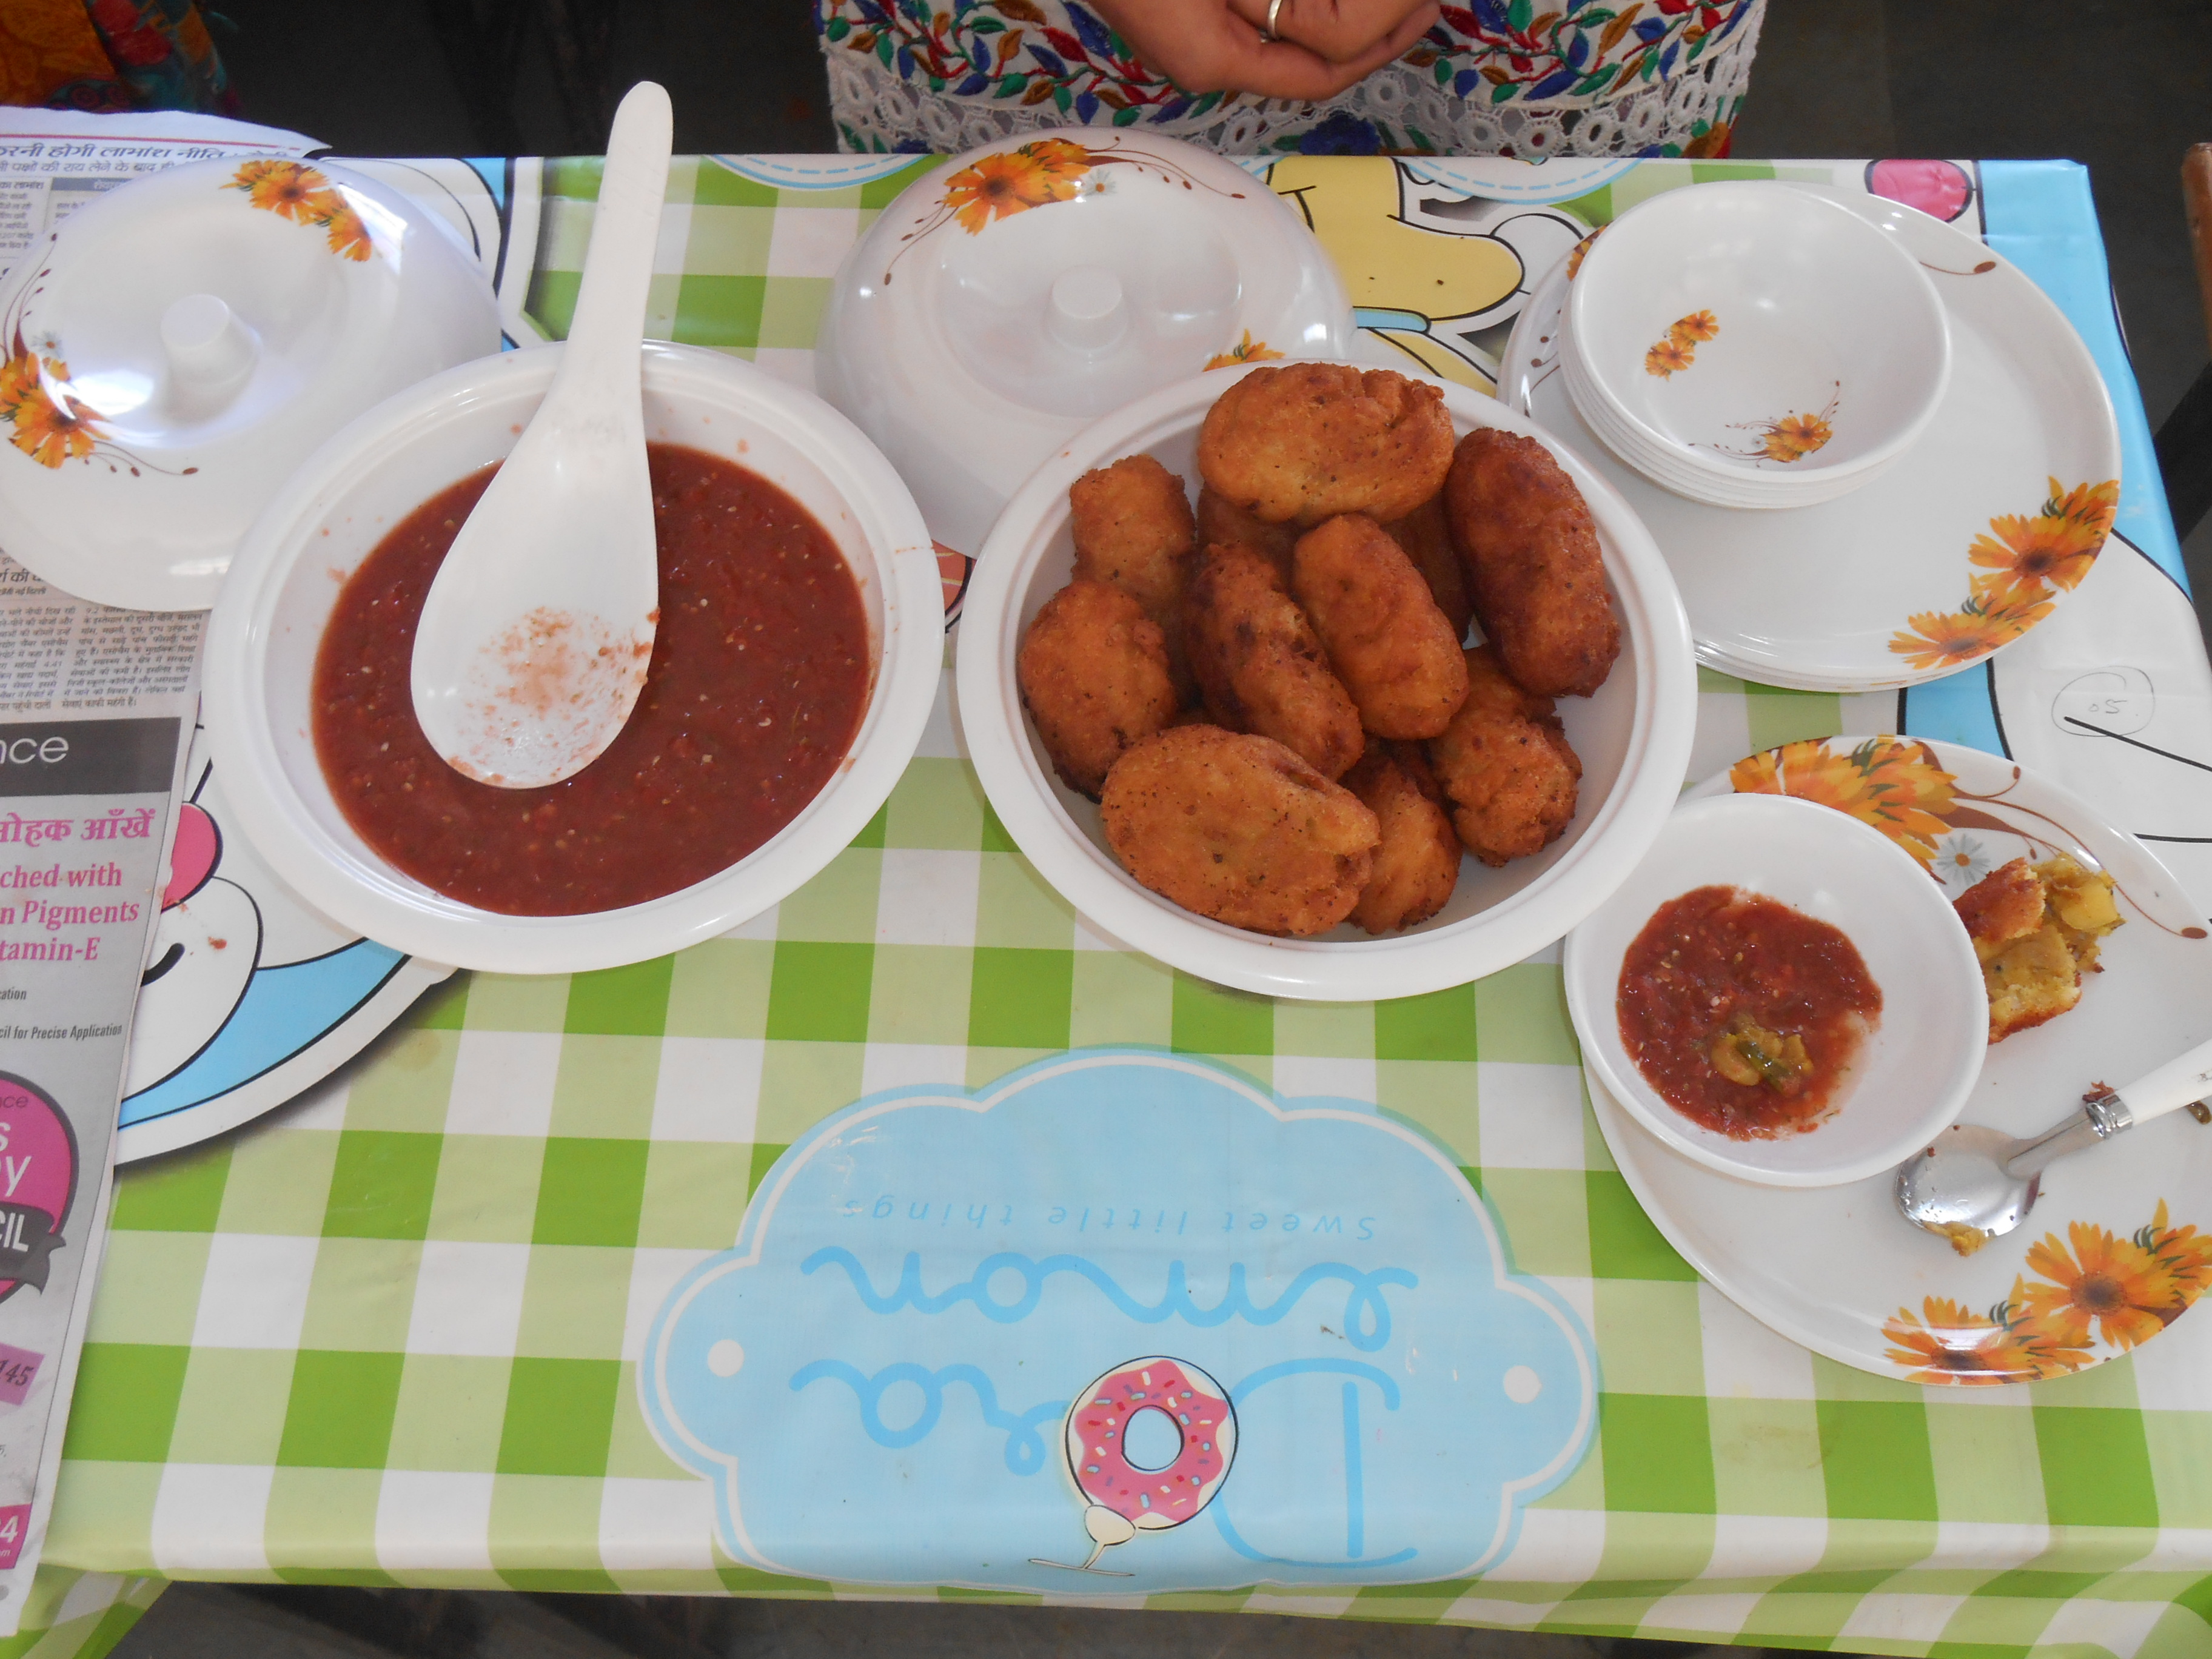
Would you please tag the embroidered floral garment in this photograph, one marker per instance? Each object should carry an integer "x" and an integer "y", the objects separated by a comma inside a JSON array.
[
  {"x": 1651, "y": 77},
  {"x": 106, "y": 56}
]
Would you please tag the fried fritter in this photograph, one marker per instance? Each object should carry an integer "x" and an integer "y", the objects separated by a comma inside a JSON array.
[
  {"x": 2036, "y": 929},
  {"x": 1309, "y": 440},
  {"x": 1390, "y": 645},
  {"x": 1236, "y": 827},
  {"x": 1132, "y": 527},
  {"x": 1220, "y": 519},
  {"x": 1417, "y": 860},
  {"x": 1426, "y": 537},
  {"x": 1533, "y": 565},
  {"x": 1261, "y": 666},
  {"x": 1506, "y": 767},
  {"x": 1094, "y": 676}
]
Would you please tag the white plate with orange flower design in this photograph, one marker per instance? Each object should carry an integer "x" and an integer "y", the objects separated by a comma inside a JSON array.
[
  {"x": 1974, "y": 537},
  {"x": 2120, "y": 1243}
]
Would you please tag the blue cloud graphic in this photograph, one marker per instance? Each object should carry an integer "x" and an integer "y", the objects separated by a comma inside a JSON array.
[{"x": 1123, "y": 1309}]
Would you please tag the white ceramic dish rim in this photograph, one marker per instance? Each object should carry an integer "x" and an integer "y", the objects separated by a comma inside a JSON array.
[
  {"x": 397, "y": 912},
  {"x": 1656, "y": 754},
  {"x": 2058, "y": 339},
  {"x": 1683, "y": 468},
  {"x": 1589, "y": 984},
  {"x": 1615, "y": 1123}
]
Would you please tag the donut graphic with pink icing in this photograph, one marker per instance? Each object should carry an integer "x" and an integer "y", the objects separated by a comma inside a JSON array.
[{"x": 1185, "y": 1410}]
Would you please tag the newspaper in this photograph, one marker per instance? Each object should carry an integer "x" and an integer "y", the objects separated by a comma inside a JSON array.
[
  {"x": 53, "y": 162},
  {"x": 97, "y": 708}
]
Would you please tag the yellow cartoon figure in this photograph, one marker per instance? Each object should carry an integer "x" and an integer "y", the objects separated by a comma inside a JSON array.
[{"x": 1426, "y": 265}]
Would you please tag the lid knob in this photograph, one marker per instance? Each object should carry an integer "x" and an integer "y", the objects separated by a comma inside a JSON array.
[
  {"x": 212, "y": 354},
  {"x": 1087, "y": 311}
]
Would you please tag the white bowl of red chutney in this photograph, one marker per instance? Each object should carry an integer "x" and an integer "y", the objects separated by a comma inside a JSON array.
[
  {"x": 1780, "y": 993},
  {"x": 798, "y": 652}
]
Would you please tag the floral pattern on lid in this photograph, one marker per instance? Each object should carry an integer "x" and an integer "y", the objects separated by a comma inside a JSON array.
[{"x": 304, "y": 194}]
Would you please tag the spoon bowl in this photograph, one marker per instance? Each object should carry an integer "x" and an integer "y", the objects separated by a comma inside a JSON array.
[
  {"x": 1974, "y": 1184},
  {"x": 534, "y": 640}
]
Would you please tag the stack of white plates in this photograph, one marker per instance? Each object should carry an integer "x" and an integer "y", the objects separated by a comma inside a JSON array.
[{"x": 1891, "y": 584}]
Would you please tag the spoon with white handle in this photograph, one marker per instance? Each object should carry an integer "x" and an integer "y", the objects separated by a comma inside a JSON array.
[
  {"x": 1976, "y": 1184},
  {"x": 535, "y": 637}
]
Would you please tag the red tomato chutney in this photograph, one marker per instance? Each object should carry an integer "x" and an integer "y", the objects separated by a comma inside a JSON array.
[
  {"x": 1743, "y": 1014},
  {"x": 760, "y": 674}
]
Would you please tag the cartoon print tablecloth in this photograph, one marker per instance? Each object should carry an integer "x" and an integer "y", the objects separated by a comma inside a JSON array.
[{"x": 394, "y": 1333}]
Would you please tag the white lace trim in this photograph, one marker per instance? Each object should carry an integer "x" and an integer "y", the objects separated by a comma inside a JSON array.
[{"x": 873, "y": 106}]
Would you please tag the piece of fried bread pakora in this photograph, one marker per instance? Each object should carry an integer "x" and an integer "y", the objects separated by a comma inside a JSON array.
[
  {"x": 1220, "y": 519},
  {"x": 1506, "y": 765},
  {"x": 1132, "y": 527},
  {"x": 1417, "y": 860},
  {"x": 1236, "y": 827},
  {"x": 1390, "y": 645},
  {"x": 2036, "y": 929},
  {"x": 1309, "y": 440},
  {"x": 1425, "y": 535},
  {"x": 1094, "y": 676},
  {"x": 1533, "y": 568},
  {"x": 1261, "y": 666}
]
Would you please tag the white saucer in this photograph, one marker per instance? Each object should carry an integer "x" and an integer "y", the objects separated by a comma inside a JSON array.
[
  {"x": 1836, "y": 1268},
  {"x": 1815, "y": 598}
]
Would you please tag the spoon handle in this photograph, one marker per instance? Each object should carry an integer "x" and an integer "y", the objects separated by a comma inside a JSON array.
[
  {"x": 2174, "y": 1084},
  {"x": 604, "y": 331}
]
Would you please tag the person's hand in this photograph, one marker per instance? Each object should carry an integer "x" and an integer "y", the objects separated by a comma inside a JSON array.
[{"x": 1320, "y": 48}]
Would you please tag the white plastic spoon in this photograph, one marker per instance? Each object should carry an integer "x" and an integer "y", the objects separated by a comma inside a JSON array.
[{"x": 535, "y": 636}]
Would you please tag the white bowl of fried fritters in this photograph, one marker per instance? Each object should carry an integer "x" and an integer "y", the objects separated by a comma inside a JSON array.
[{"x": 1244, "y": 815}]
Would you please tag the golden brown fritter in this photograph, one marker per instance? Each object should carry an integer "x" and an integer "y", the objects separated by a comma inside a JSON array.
[
  {"x": 2036, "y": 929},
  {"x": 1261, "y": 666},
  {"x": 1506, "y": 765},
  {"x": 1386, "y": 641},
  {"x": 1426, "y": 537},
  {"x": 1307, "y": 441},
  {"x": 1417, "y": 860},
  {"x": 1220, "y": 519},
  {"x": 1236, "y": 827},
  {"x": 1132, "y": 527},
  {"x": 1094, "y": 676},
  {"x": 1533, "y": 565}
]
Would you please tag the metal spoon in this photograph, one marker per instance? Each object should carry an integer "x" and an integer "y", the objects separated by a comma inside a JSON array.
[
  {"x": 1976, "y": 1184},
  {"x": 535, "y": 636}
]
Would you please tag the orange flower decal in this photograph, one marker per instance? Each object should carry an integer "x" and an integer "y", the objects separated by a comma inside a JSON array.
[
  {"x": 1016, "y": 180},
  {"x": 1668, "y": 357},
  {"x": 1574, "y": 254},
  {"x": 2057, "y": 546},
  {"x": 1891, "y": 783},
  {"x": 2023, "y": 562},
  {"x": 1956, "y": 1346},
  {"x": 304, "y": 195},
  {"x": 1952, "y": 639},
  {"x": 1246, "y": 350},
  {"x": 348, "y": 236},
  {"x": 290, "y": 190},
  {"x": 1794, "y": 437},
  {"x": 2104, "y": 1289},
  {"x": 2185, "y": 1254},
  {"x": 2125, "y": 1290},
  {"x": 51, "y": 425},
  {"x": 1698, "y": 326}
]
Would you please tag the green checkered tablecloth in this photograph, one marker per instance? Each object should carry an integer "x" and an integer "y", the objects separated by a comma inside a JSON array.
[{"x": 390, "y": 1334}]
